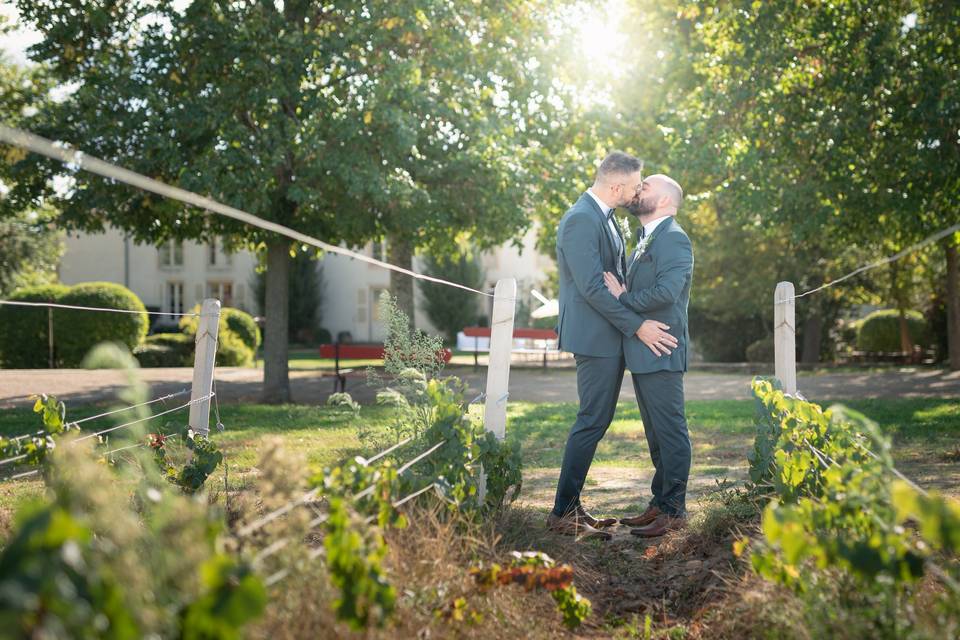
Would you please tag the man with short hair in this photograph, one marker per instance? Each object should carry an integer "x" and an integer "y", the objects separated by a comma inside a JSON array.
[
  {"x": 593, "y": 326},
  {"x": 659, "y": 277}
]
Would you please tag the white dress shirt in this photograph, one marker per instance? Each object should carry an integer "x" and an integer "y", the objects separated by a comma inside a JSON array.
[{"x": 653, "y": 224}]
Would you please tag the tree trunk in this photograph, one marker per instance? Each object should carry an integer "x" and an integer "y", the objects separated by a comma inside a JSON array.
[
  {"x": 906, "y": 341},
  {"x": 812, "y": 337},
  {"x": 401, "y": 286},
  {"x": 276, "y": 379},
  {"x": 953, "y": 304}
]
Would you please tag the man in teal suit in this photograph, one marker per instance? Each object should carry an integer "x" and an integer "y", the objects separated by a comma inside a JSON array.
[
  {"x": 659, "y": 275},
  {"x": 593, "y": 326}
]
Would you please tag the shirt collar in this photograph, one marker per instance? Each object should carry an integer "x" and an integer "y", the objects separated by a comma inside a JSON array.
[
  {"x": 600, "y": 203},
  {"x": 653, "y": 224}
]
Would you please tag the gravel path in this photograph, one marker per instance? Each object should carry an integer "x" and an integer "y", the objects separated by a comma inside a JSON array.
[{"x": 526, "y": 384}]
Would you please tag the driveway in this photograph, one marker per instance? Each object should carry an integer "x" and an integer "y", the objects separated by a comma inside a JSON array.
[{"x": 526, "y": 384}]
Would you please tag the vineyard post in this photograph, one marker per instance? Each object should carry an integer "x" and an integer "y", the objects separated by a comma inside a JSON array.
[
  {"x": 498, "y": 369},
  {"x": 785, "y": 337},
  {"x": 205, "y": 355}
]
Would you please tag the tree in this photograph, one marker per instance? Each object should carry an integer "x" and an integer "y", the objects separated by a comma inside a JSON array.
[
  {"x": 30, "y": 246},
  {"x": 834, "y": 119},
  {"x": 450, "y": 310},
  {"x": 30, "y": 250},
  {"x": 305, "y": 309},
  {"x": 347, "y": 122}
]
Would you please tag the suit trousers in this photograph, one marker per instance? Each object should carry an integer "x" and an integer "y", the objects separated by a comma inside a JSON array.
[
  {"x": 660, "y": 398},
  {"x": 598, "y": 385}
]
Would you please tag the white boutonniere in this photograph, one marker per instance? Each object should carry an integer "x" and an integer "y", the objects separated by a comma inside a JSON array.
[
  {"x": 625, "y": 225},
  {"x": 641, "y": 246}
]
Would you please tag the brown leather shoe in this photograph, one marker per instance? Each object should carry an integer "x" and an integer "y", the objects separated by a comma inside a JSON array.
[
  {"x": 643, "y": 519},
  {"x": 571, "y": 525},
  {"x": 596, "y": 523},
  {"x": 663, "y": 524}
]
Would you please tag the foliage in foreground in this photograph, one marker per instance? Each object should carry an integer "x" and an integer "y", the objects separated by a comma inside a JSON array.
[
  {"x": 94, "y": 562},
  {"x": 839, "y": 508}
]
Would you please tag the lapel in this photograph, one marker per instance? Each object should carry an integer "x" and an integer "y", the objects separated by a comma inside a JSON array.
[
  {"x": 623, "y": 259},
  {"x": 603, "y": 222},
  {"x": 653, "y": 236}
]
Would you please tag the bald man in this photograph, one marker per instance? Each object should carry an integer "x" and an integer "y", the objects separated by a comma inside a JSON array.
[{"x": 659, "y": 275}]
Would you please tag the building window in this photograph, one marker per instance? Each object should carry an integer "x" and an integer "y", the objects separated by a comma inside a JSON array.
[
  {"x": 216, "y": 256},
  {"x": 173, "y": 298},
  {"x": 171, "y": 253},
  {"x": 222, "y": 291},
  {"x": 379, "y": 249},
  {"x": 375, "y": 293}
]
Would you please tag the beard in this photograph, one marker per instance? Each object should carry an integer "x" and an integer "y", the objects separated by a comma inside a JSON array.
[{"x": 641, "y": 206}]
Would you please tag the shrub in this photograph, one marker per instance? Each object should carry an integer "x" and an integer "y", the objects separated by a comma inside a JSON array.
[
  {"x": 23, "y": 330},
  {"x": 242, "y": 324},
  {"x": 232, "y": 348},
  {"x": 880, "y": 331},
  {"x": 165, "y": 350},
  {"x": 761, "y": 350},
  {"x": 89, "y": 328},
  {"x": 232, "y": 352}
]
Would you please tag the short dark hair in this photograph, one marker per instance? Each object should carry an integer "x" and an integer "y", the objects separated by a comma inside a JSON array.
[{"x": 617, "y": 163}]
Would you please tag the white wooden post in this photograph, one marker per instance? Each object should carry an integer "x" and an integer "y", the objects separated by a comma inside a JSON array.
[
  {"x": 501, "y": 345},
  {"x": 498, "y": 367},
  {"x": 785, "y": 336},
  {"x": 203, "y": 362}
]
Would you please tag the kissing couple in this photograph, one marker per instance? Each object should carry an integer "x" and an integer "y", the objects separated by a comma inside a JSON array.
[{"x": 625, "y": 307}]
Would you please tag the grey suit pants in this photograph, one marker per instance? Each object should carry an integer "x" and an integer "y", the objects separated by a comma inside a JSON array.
[
  {"x": 660, "y": 398},
  {"x": 598, "y": 386}
]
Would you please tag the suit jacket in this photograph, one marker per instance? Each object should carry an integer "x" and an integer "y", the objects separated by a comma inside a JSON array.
[
  {"x": 592, "y": 322},
  {"x": 658, "y": 287}
]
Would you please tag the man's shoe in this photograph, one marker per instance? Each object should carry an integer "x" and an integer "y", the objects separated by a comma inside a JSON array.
[
  {"x": 642, "y": 520},
  {"x": 571, "y": 525},
  {"x": 663, "y": 524},
  {"x": 596, "y": 523}
]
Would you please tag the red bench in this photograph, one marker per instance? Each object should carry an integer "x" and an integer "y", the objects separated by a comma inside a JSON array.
[
  {"x": 523, "y": 333},
  {"x": 351, "y": 351}
]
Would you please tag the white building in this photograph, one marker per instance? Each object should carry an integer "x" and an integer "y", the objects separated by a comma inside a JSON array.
[{"x": 178, "y": 275}]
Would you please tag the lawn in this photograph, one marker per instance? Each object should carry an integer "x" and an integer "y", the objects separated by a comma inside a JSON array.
[{"x": 924, "y": 431}]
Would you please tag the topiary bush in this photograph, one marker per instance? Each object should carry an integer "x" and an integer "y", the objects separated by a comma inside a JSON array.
[
  {"x": 166, "y": 350},
  {"x": 81, "y": 330},
  {"x": 243, "y": 325},
  {"x": 23, "y": 330},
  {"x": 880, "y": 331},
  {"x": 232, "y": 352}
]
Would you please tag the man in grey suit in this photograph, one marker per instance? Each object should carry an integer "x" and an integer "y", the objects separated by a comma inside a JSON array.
[
  {"x": 593, "y": 326},
  {"x": 659, "y": 275}
]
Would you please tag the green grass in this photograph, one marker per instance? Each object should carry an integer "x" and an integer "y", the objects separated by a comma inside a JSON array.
[{"x": 721, "y": 432}]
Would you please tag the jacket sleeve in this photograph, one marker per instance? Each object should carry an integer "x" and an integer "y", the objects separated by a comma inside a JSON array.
[
  {"x": 672, "y": 273},
  {"x": 579, "y": 244}
]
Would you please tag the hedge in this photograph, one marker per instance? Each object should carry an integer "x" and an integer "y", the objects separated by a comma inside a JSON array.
[
  {"x": 165, "y": 350},
  {"x": 880, "y": 331},
  {"x": 23, "y": 330},
  {"x": 243, "y": 325},
  {"x": 233, "y": 348},
  {"x": 78, "y": 331},
  {"x": 761, "y": 351}
]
